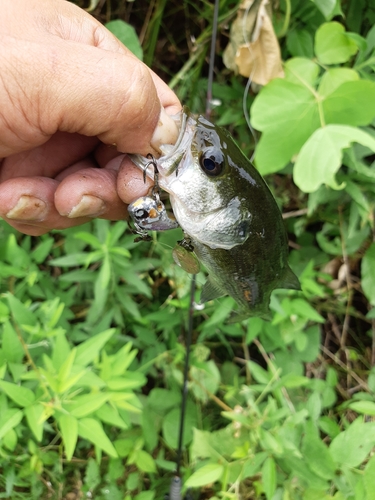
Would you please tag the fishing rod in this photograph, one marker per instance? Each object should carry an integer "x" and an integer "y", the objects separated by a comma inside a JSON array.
[{"x": 176, "y": 482}]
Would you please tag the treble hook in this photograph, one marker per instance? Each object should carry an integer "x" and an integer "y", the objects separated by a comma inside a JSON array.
[
  {"x": 154, "y": 164},
  {"x": 156, "y": 189}
]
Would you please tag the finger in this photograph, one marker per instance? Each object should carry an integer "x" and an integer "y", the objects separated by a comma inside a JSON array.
[
  {"x": 47, "y": 160},
  {"x": 130, "y": 182},
  {"x": 95, "y": 87},
  {"x": 91, "y": 192},
  {"x": 28, "y": 205},
  {"x": 85, "y": 29},
  {"x": 168, "y": 99},
  {"x": 104, "y": 154}
]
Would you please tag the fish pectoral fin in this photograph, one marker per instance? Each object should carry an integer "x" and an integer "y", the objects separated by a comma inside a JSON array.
[
  {"x": 290, "y": 280},
  {"x": 211, "y": 290}
]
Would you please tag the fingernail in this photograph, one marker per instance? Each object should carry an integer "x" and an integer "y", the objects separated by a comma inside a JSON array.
[
  {"x": 28, "y": 208},
  {"x": 89, "y": 206},
  {"x": 166, "y": 131}
]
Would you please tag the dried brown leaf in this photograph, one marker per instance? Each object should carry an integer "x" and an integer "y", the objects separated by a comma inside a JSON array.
[{"x": 253, "y": 50}]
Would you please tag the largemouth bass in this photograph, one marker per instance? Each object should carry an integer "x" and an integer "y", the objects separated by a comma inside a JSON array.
[{"x": 227, "y": 213}]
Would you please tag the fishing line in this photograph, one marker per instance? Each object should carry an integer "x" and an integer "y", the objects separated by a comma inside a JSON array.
[
  {"x": 211, "y": 61},
  {"x": 176, "y": 483}
]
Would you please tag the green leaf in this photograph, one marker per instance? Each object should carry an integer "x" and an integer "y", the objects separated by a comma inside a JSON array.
[
  {"x": 329, "y": 427},
  {"x": 74, "y": 259},
  {"x": 132, "y": 380},
  {"x": 127, "y": 35},
  {"x": 369, "y": 479},
  {"x": 89, "y": 238},
  {"x": 17, "y": 370},
  {"x": 15, "y": 253},
  {"x": 35, "y": 419},
  {"x": 79, "y": 275},
  {"x": 254, "y": 464},
  {"x": 86, "y": 404},
  {"x": 326, "y": 7},
  {"x": 269, "y": 477},
  {"x": 109, "y": 415},
  {"x": 303, "y": 308},
  {"x": 104, "y": 274},
  {"x": 117, "y": 230},
  {"x": 41, "y": 251},
  {"x": 334, "y": 77},
  {"x": 300, "y": 43},
  {"x": 89, "y": 349},
  {"x": 92, "y": 476},
  {"x": 303, "y": 71},
  {"x": 151, "y": 424},
  {"x": 123, "y": 359},
  {"x": 92, "y": 430},
  {"x": 320, "y": 158},
  {"x": 287, "y": 113},
  {"x": 316, "y": 453},
  {"x": 207, "y": 474},
  {"x": 145, "y": 462},
  {"x": 61, "y": 351},
  {"x": 357, "y": 195},
  {"x": 145, "y": 495},
  {"x": 66, "y": 366},
  {"x": 269, "y": 442},
  {"x": 124, "y": 447},
  {"x": 4, "y": 309},
  {"x": 364, "y": 407},
  {"x": 73, "y": 379},
  {"x": 21, "y": 314},
  {"x": 368, "y": 274},
  {"x": 332, "y": 45},
  {"x": 351, "y": 447},
  {"x": 10, "y": 440},
  {"x": 11, "y": 344},
  {"x": 352, "y": 103},
  {"x": 300, "y": 468},
  {"x": 215, "y": 444},
  {"x": 19, "y": 394},
  {"x": 260, "y": 374},
  {"x": 205, "y": 379},
  {"x": 163, "y": 400},
  {"x": 291, "y": 381},
  {"x": 9, "y": 420},
  {"x": 170, "y": 427},
  {"x": 220, "y": 313},
  {"x": 69, "y": 432}
]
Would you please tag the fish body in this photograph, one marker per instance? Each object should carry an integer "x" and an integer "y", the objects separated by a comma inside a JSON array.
[{"x": 227, "y": 213}]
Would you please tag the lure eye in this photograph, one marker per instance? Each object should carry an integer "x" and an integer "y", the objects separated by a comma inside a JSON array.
[
  {"x": 141, "y": 214},
  {"x": 212, "y": 161}
]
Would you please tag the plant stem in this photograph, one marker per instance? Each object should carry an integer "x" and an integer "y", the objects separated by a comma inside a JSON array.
[{"x": 288, "y": 10}]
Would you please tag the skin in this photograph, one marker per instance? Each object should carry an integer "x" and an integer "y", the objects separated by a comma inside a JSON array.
[{"x": 72, "y": 99}]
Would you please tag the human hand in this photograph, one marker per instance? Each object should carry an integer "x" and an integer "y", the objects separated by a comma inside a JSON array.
[{"x": 71, "y": 98}]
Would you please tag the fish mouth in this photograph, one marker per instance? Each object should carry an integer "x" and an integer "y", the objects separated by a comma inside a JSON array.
[{"x": 172, "y": 154}]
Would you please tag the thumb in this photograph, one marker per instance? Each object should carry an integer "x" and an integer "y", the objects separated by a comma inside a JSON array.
[
  {"x": 109, "y": 95},
  {"x": 70, "y": 74}
]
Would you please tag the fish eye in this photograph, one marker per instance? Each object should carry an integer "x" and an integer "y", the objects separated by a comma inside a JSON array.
[{"x": 212, "y": 161}]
